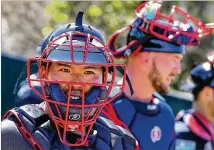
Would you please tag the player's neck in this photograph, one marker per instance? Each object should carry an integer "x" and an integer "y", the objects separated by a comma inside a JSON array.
[
  {"x": 141, "y": 85},
  {"x": 202, "y": 109}
]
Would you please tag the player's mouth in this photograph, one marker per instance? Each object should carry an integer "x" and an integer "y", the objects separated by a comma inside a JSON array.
[{"x": 75, "y": 97}]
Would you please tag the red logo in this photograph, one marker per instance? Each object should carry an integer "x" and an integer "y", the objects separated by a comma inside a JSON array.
[{"x": 155, "y": 134}]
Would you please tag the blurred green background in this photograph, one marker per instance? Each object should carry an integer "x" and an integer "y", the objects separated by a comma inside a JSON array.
[{"x": 26, "y": 23}]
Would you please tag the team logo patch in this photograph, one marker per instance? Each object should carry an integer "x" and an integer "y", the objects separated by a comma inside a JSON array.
[
  {"x": 155, "y": 134},
  {"x": 185, "y": 145}
]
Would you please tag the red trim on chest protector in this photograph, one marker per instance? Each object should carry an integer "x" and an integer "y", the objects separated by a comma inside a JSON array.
[{"x": 24, "y": 132}]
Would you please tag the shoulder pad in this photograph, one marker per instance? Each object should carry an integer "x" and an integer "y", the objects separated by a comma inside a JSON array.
[
  {"x": 166, "y": 108},
  {"x": 11, "y": 137},
  {"x": 31, "y": 112},
  {"x": 31, "y": 115},
  {"x": 33, "y": 122},
  {"x": 115, "y": 136},
  {"x": 25, "y": 94}
]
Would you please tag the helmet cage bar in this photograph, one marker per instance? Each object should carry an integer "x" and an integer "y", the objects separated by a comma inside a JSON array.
[
  {"x": 200, "y": 28},
  {"x": 134, "y": 45},
  {"x": 80, "y": 141},
  {"x": 70, "y": 36},
  {"x": 168, "y": 33}
]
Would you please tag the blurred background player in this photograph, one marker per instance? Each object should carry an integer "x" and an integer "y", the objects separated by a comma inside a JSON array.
[
  {"x": 76, "y": 73},
  {"x": 195, "y": 127},
  {"x": 154, "y": 50}
]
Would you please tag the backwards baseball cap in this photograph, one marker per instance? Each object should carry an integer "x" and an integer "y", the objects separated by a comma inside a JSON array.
[{"x": 157, "y": 32}]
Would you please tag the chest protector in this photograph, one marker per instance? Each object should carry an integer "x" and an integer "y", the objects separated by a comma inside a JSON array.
[
  {"x": 152, "y": 123},
  {"x": 38, "y": 130}
]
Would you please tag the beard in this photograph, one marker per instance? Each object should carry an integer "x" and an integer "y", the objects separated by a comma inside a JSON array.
[{"x": 157, "y": 80}]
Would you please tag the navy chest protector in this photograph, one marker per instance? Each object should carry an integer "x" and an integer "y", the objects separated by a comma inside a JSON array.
[
  {"x": 152, "y": 123},
  {"x": 36, "y": 127}
]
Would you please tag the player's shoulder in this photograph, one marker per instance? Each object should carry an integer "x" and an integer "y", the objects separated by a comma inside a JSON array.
[
  {"x": 11, "y": 137},
  {"x": 113, "y": 127},
  {"x": 26, "y": 114},
  {"x": 107, "y": 127},
  {"x": 8, "y": 126}
]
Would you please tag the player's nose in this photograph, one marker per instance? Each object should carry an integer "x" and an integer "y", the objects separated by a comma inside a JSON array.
[{"x": 76, "y": 87}]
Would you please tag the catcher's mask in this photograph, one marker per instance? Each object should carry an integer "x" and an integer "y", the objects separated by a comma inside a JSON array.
[
  {"x": 74, "y": 109},
  {"x": 157, "y": 32}
]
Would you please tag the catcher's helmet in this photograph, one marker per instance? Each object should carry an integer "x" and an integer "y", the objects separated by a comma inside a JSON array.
[
  {"x": 82, "y": 45},
  {"x": 157, "y": 32},
  {"x": 203, "y": 75}
]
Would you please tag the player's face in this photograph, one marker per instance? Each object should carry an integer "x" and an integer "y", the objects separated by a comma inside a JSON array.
[
  {"x": 75, "y": 73},
  {"x": 208, "y": 99},
  {"x": 164, "y": 68}
]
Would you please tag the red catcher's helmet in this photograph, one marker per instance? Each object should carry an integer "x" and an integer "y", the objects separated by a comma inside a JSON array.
[{"x": 78, "y": 45}]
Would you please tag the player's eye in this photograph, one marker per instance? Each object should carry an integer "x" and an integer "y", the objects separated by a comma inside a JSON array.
[
  {"x": 89, "y": 72},
  {"x": 64, "y": 70}
]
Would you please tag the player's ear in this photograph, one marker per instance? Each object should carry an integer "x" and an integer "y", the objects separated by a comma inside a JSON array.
[
  {"x": 207, "y": 91},
  {"x": 104, "y": 75},
  {"x": 44, "y": 69},
  {"x": 43, "y": 72},
  {"x": 145, "y": 58}
]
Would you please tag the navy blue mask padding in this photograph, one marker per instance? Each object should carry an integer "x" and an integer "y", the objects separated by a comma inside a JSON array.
[
  {"x": 165, "y": 47},
  {"x": 90, "y": 98}
]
